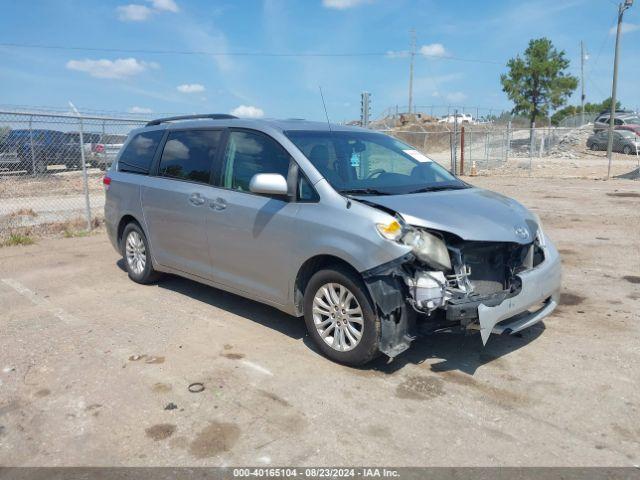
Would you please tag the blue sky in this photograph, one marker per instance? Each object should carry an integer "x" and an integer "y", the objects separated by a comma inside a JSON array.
[{"x": 468, "y": 43}]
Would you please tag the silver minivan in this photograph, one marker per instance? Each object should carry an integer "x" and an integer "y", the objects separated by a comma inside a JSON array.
[{"x": 361, "y": 234}]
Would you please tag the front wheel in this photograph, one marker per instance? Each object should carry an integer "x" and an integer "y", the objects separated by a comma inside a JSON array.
[
  {"x": 626, "y": 150},
  {"x": 137, "y": 256},
  {"x": 340, "y": 318}
]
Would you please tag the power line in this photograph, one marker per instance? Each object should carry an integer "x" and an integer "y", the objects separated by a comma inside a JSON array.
[{"x": 240, "y": 54}]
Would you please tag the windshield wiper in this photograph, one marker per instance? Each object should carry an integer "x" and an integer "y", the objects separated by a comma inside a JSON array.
[
  {"x": 363, "y": 191},
  {"x": 436, "y": 188}
]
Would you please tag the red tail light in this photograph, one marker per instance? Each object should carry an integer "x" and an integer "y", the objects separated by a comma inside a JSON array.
[
  {"x": 99, "y": 148},
  {"x": 106, "y": 181}
]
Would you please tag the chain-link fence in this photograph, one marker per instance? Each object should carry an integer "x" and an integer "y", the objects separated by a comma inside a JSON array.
[
  {"x": 578, "y": 120},
  {"x": 51, "y": 164},
  {"x": 470, "y": 149},
  {"x": 51, "y": 169}
]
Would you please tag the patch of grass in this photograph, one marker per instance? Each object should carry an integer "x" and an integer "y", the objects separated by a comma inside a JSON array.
[
  {"x": 23, "y": 212},
  {"x": 17, "y": 239},
  {"x": 71, "y": 233},
  {"x": 73, "y": 228}
]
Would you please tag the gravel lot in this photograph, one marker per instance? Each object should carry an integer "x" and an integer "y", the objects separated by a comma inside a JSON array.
[{"x": 92, "y": 365}]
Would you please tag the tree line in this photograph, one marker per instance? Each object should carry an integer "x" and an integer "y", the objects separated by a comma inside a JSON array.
[{"x": 538, "y": 83}]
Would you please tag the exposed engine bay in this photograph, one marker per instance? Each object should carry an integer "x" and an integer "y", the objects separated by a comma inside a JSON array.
[{"x": 444, "y": 280}]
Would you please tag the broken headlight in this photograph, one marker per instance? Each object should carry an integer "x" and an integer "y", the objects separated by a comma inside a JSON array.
[
  {"x": 428, "y": 248},
  {"x": 539, "y": 233}
]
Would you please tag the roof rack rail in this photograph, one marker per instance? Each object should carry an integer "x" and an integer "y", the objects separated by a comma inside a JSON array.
[
  {"x": 618, "y": 110},
  {"x": 211, "y": 116}
]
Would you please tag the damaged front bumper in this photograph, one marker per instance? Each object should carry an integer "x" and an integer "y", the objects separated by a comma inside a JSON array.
[
  {"x": 504, "y": 312},
  {"x": 538, "y": 297}
]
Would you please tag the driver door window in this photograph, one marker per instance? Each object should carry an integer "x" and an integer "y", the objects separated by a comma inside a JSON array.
[
  {"x": 250, "y": 153},
  {"x": 376, "y": 158}
]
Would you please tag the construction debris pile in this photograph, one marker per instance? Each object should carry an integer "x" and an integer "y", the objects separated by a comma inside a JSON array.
[{"x": 570, "y": 143}]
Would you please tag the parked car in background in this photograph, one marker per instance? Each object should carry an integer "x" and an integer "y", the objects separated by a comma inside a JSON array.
[
  {"x": 632, "y": 128},
  {"x": 69, "y": 151},
  {"x": 105, "y": 151},
  {"x": 624, "y": 141},
  {"x": 31, "y": 150},
  {"x": 622, "y": 117},
  {"x": 361, "y": 234}
]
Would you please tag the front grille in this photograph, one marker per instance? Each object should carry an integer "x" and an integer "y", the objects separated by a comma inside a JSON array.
[{"x": 492, "y": 265}]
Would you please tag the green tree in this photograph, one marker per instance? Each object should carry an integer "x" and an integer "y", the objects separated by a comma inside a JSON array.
[
  {"x": 589, "y": 109},
  {"x": 538, "y": 82}
]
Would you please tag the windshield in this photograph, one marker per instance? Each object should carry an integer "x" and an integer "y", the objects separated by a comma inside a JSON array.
[
  {"x": 627, "y": 134},
  {"x": 368, "y": 163}
]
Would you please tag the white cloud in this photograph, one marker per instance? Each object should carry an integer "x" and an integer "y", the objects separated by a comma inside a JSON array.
[
  {"x": 119, "y": 68},
  {"x": 455, "y": 97},
  {"x": 190, "y": 88},
  {"x": 343, "y": 4},
  {"x": 625, "y": 28},
  {"x": 133, "y": 13},
  {"x": 136, "y": 109},
  {"x": 247, "y": 111},
  {"x": 397, "y": 54},
  {"x": 165, "y": 5},
  {"x": 433, "y": 50}
]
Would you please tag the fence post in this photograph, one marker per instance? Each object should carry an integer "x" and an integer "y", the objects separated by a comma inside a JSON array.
[
  {"x": 486, "y": 148},
  {"x": 462, "y": 150},
  {"x": 470, "y": 158},
  {"x": 454, "y": 144},
  {"x": 532, "y": 134},
  {"x": 85, "y": 179},
  {"x": 508, "y": 150},
  {"x": 33, "y": 153}
]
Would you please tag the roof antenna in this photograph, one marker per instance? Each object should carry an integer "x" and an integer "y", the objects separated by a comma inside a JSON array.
[
  {"x": 331, "y": 133},
  {"x": 325, "y": 108}
]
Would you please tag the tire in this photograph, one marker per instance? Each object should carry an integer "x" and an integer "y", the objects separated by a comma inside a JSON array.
[
  {"x": 349, "y": 349},
  {"x": 626, "y": 150},
  {"x": 137, "y": 255},
  {"x": 593, "y": 147}
]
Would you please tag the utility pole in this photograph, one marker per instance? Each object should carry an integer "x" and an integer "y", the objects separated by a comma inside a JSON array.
[
  {"x": 365, "y": 109},
  {"x": 614, "y": 87},
  {"x": 412, "y": 54},
  {"x": 582, "y": 97}
]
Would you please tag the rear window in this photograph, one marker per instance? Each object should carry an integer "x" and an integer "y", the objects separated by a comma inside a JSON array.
[{"x": 138, "y": 155}]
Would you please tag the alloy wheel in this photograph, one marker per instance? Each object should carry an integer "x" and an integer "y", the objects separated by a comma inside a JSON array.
[
  {"x": 136, "y": 253},
  {"x": 338, "y": 317}
]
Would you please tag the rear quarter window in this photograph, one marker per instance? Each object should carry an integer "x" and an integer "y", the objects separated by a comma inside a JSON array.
[{"x": 139, "y": 153}]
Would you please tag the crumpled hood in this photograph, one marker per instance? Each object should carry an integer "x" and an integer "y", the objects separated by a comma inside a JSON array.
[{"x": 471, "y": 213}]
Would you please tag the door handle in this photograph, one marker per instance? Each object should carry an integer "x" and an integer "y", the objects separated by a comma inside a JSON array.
[
  {"x": 196, "y": 199},
  {"x": 218, "y": 204}
]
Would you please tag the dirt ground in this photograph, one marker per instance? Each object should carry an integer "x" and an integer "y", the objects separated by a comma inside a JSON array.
[{"x": 95, "y": 370}]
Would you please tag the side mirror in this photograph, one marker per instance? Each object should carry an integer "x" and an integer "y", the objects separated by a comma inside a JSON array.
[{"x": 268, "y": 184}]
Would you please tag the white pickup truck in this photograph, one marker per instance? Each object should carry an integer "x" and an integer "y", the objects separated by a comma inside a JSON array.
[{"x": 462, "y": 118}]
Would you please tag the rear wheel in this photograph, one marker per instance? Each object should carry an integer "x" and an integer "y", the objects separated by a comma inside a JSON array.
[
  {"x": 340, "y": 318},
  {"x": 626, "y": 150},
  {"x": 593, "y": 147},
  {"x": 137, "y": 256}
]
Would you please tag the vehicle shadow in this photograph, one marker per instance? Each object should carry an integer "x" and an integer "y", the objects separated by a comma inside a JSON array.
[
  {"x": 256, "y": 312},
  {"x": 456, "y": 351}
]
